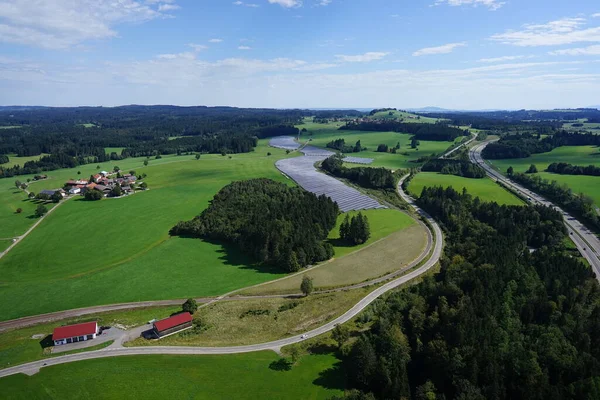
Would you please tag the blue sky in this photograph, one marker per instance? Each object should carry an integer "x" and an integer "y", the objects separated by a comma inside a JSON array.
[{"x": 460, "y": 54}]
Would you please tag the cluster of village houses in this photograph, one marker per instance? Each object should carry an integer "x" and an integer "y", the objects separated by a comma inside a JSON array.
[{"x": 103, "y": 181}]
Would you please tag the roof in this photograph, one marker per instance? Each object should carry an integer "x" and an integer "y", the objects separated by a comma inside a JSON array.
[
  {"x": 50, "y": 192},
  {"x": 68, "y": 331},
  {"x": 173, "y": 321}
]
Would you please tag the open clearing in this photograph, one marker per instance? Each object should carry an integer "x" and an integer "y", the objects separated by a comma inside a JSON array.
[
  {"x": 407, "y": 117},
  {"x": 576, "y": 155},
  {"x": 14, "y": 160},
  {"x": 243, "y": 376},
  {"x": 18, "y": 347},
  {"x": 325, "y": 133},
  {"x": 252, "y": 321},
  {"x": 485, "y": 188}
]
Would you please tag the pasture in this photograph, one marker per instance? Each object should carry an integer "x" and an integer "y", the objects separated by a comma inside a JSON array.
[
  {"x": 119, "y": 250},
  {"x": 321, "y": 134},
  {"x": 14, "y": 160},
  {"x": 576, "y": 155},
  {"x": 405, "y": 116},
  {"x": 243, "y": 376},
  {"x": 485, "y": 189}
]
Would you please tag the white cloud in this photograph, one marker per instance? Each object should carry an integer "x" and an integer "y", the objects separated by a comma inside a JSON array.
[
  {"x": 244, "y": 48},
  {"x": 324, "y": 3},
  {"x": 241, "y": 3},
  {"x": 60, "y": 24},
  {"x": 197, "y": 47},
  {"x": 581, "y": 51},
  {"x": 597, "y": 15},
  {"x": 491, "y": 4},
  {"x": 367, "y": 57},
  {"x": 502, "y": 59},
  {"x": 554, "y": 33},
  {"x": 287, "y": 3},
  {"x": 444, "y": 49},
  {"x": 215, "y": 40}
]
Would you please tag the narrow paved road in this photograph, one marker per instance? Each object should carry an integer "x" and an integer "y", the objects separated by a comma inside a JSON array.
[
  {"x": 586, "y": 241},
  {"x": 33, "y": 367}
]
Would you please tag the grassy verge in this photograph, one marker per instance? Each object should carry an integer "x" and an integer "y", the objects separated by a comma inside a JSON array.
[
  {"x": 243, "y": 376},
  {"x": 18, "y": 346},
  {"x": 261, "y": 320}
]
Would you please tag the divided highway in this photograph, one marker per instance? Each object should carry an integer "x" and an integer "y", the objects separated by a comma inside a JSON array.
[{"x": 586, "y": 241}]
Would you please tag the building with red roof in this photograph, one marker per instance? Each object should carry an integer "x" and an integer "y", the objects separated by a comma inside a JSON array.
[
  {"x": 75, "y": 333},
  {"x": 173, "y": 324}
]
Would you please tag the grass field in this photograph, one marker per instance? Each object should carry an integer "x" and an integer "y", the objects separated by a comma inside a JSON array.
[
  {"x": 119, "y": 250},
  {"x": 17, "y": 346},
  {"x": 577, "y": 155},
  {"x": 117, "y": 150},
  {"x": 321, "y": 134},
  {"x": 237, "y": 322},
  {"x": 408, "y": 117},
  {"x": 485, "y": 188},
  {"x": 14, "y": 160},
  {"x": 244, "y": 376}
]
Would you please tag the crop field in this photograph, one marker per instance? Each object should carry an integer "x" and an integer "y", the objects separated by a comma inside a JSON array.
[
  {"x": 119, "y": 250},
  {"x": 576, "y": 155},
  {"x": 321, "y": 134},
  {"x": 243, "y": 376},
  {"x": 485, "y": 189}
]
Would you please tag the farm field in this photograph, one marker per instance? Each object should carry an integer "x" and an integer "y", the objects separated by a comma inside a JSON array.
[
  {"x": 17, "y": 346},
  {"x": 252, "y": 321},
  {"x": 408, "y": 117},
  {"x": 177, "y": 377},
  {"x": 324, "y": 133},
  {"x": 124, "y": 249},
  {"x": 485, "y": 188},
  {"x": 576, "y": 155}
]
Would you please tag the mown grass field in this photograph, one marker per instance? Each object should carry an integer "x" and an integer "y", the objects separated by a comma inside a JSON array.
[
  {"x": 119, "y": 250},
  {"x": 244, "y": 376},
  {"x": 252, "y": 321},
  {"x": 321, "y": 134},
  {"x": 17, "y": 346},
  {"x": 14, "y": 160},
  {"x": 576, "y": 155},
  {"x": 485, "y": 189},
  {"x": 408, "y": 117}
]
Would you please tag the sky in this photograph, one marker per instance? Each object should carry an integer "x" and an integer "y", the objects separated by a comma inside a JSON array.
[{"x": 456, "y": 54}]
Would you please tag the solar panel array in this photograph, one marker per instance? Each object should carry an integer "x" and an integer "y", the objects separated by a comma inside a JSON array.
[
  {"x": 358, "y": 160},
  {"x": 303, "y": 171}
]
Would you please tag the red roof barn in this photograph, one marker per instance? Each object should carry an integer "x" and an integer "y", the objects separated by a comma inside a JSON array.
[
  {"x": 173, "y": 324},
  {"x": 75, "y": 333}
]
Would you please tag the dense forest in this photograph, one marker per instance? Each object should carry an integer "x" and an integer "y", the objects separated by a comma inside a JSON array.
[
  {"x": 454, "y": 167},
  {"x": 282, "y": 226},
  {"x": 570, "y": 169},
  {"x": 435, "y": 132},
  {"x": 580, "y": 204},
  {"x": 524, "y": 145},
  {"x": 76, "y": 136},
  {"x": 373, "y": 178},
  {"x": 497, "y": 322}
]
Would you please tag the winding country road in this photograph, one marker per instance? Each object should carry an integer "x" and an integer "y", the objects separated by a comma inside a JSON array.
[
  {"x": 586, "y": 241},
  {"x": 33, "y": 367}
]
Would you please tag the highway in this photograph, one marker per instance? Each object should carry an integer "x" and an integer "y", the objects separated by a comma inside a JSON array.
[
  {"x": 34, "y": 367},
  {"x": 586, "y": 241}
]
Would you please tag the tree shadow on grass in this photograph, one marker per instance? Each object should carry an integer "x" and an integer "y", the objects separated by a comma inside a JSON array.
[
  {"x": 332, "y": 378},
  {"x": 322, "y": 348},
  {"x": 339, "y": 242}
]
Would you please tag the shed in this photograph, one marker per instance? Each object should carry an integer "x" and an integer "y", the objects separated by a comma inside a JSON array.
[
  {"x": 75, "y": 333},
  {"x": 173, "y": 324}
]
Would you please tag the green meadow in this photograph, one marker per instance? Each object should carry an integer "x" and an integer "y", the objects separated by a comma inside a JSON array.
[
  {"x": 576, "y": 155},
  {"x": 321, "y": 134},
  {"x": 243, "y": 376},
  {"x": 407, "y": 117},
  {"x": 14, "y": 160},
  {"x": 485, "y": 189},
  {"x": 119, "y": 250}
]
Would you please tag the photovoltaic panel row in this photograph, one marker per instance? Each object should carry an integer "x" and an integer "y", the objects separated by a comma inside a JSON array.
[
  {"x": 302, "y": 170},
  {"x": 358, "y": 160},
  {"x": 284, "y": 142}
]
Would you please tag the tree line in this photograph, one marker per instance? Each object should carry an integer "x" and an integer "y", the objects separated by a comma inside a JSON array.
[
  {"x": 281, "y": 226},
  {"x": 341, "y": 146},
  {"x": 570, "y": 169},
  {"x": 497, "y": 322},
  {"x": 454, "y": 167},
  {"x": 434, "y": 132},
  {"x": 374, "y": 178},
  {"x": 524, "y": 145}
]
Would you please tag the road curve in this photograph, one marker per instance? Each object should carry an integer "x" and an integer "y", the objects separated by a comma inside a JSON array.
[
  {"x": 33, "y": 367},
  {"x": 587, "y": 243}
]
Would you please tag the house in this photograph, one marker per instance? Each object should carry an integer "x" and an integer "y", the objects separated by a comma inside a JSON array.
[
  {"x": 103, "y": 173},
  {"x": 75, "y": 333},
  {"x": 52, "y": 191},
  {"x": 174, "y": 324},
  {"x": 90, "y": 186},
  {"x": 75, "y": 190},
  {"x": 97, "y": 178},
  {"x": 102, "y": 188}
]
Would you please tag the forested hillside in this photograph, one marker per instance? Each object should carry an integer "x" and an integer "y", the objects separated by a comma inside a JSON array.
[
  {"x": 497, "y": 322},
  {"x": 274, "y": 223},
  {"x": 454, "y": 167},
  {"x": 435, "y": 132}
]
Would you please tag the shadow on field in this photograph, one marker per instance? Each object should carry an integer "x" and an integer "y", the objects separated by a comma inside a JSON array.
[
  {"x": 229, "y": 254},
  {"x": 332, "y": 378},
  {"x": 47, "y": 342},
  {"x": 339, "y": 242}
]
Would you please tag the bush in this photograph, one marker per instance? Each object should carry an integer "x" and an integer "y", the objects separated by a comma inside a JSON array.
[
  {"x": 41, "y": 210},
  {"x": 19, "y": 210},
  {"x": 93, "y": 195}
]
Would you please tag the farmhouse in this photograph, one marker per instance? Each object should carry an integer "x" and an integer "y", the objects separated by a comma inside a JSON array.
[
  {"x": 75, "y": 333},
  {"x": 52, "y": 191},
  {"x": 173, "y": 324},
  {"x": 75, "y": 190}
]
